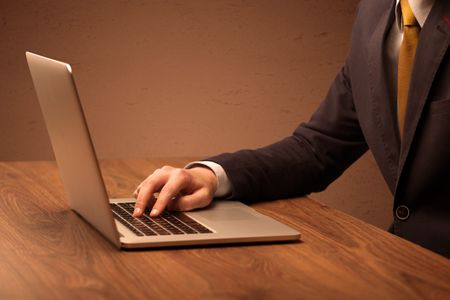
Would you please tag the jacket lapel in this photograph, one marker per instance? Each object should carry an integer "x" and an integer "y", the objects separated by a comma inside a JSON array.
[
  {"x": 433, "y": 44},
  {"x": 386, "y": 128}
]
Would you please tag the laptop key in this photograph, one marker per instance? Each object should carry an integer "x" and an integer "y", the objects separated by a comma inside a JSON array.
[
  {"x": 130, "y": 222},
  {"x": 126, "y": 224}
]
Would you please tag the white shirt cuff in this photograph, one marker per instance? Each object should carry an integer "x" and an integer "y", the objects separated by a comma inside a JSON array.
[{"x": 223, "y": 183}]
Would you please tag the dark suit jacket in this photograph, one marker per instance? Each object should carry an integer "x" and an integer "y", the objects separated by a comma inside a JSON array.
[{"x": 356, "y": 115}]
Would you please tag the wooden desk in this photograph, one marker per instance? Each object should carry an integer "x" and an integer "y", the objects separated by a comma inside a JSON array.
[{"x": 48, "y": 252}]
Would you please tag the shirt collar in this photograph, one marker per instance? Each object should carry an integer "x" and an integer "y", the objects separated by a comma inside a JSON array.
[{"x": 420, "y": 8}]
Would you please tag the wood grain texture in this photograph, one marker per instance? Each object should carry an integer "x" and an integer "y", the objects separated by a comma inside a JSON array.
[{"x": 47, "y": 251}]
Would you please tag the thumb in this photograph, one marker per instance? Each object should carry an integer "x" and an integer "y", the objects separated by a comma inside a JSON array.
[{"x": 199, "y": 199}]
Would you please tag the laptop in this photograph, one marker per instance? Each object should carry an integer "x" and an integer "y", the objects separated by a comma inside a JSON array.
[{"x": 223, "y": 222}]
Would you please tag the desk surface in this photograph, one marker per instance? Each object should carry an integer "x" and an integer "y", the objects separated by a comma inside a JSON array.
[{"x": 47, "y": 251}]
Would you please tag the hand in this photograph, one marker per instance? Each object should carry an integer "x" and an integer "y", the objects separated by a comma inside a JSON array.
[{"x": 179, "y": 189}]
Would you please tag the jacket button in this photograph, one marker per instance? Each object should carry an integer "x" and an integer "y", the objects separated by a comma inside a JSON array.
[{"x": 402, "y": 212}]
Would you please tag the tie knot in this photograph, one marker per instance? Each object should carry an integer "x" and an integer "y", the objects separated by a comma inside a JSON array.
[{"x": 407, "y": 14}]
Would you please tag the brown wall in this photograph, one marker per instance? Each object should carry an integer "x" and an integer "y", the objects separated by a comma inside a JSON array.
[{"x": 183, "y": 78}]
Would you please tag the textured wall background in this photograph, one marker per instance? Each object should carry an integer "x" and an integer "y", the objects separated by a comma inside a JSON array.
[{"x": 183, "y": 78}]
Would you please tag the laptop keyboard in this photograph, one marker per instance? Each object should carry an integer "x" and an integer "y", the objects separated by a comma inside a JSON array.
[{"x": 165, "y": 224}]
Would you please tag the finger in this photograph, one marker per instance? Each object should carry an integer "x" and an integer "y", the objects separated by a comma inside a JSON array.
[
  {"x": 145, "y": 193},
  {"x": 177, "y": 182},
  {"x": 136, "y": 191},
  {"x": 144, "y": 209},
  {"x": 138, "y": 188}
]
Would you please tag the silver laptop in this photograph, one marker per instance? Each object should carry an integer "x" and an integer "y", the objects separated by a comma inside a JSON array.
[{"x": 222, "y": 222}]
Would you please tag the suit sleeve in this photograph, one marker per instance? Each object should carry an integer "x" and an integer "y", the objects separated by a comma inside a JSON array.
[{"x": 307, "y": 161}]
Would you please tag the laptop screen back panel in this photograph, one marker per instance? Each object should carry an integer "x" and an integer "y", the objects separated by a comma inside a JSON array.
[{"x": 71, "y": 143}]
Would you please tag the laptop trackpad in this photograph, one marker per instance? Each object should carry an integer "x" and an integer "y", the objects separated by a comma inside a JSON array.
[{"x": 227, "y": 215}]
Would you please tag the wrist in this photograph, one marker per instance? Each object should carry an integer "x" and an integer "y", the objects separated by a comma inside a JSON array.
[
  {"x": 208, "y": 177},
  {"x": 223, "y": 185}
]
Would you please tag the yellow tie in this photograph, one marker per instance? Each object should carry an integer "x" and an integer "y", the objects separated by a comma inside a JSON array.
[{"x": 411, "y": 30}]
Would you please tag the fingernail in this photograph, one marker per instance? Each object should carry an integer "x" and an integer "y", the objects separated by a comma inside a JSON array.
[
  {"x": 137, "y": 210},
  {"x": 154, "y": 212}
]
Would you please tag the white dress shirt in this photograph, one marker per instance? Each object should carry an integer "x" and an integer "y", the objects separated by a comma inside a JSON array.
[{"x": 421, "y": 10}]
